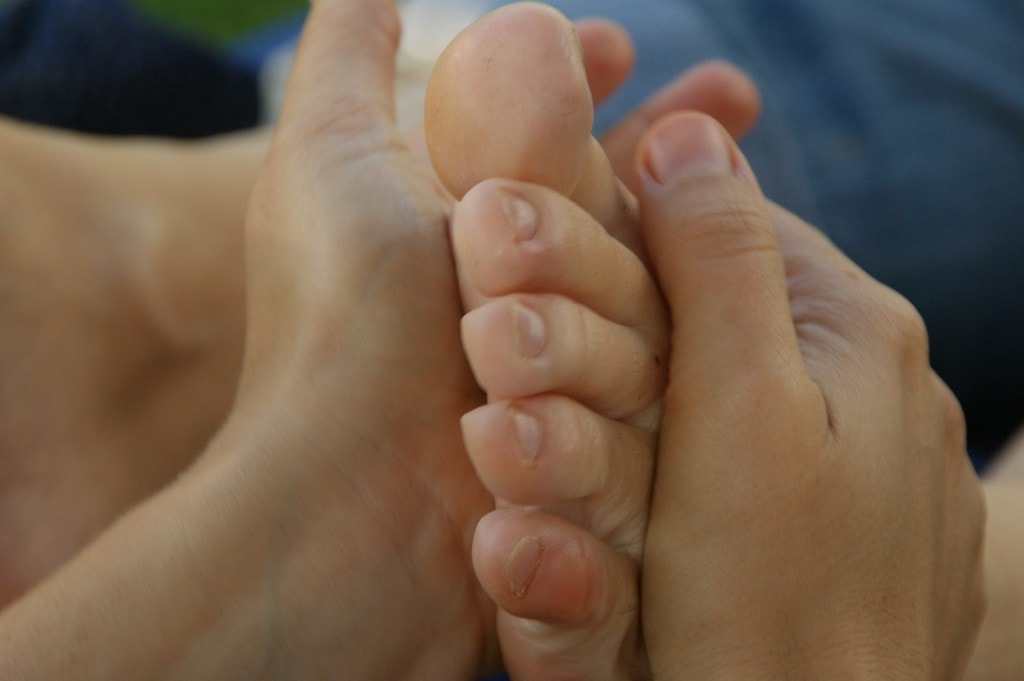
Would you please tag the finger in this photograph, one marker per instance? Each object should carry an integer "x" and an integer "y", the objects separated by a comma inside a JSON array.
[
  {"x": 342, "y": 80},
  {"x": 719, "y": 266},
  {"x": 337, "y": 131},
  {"x": 524, "y": 345},
  {"x": 715, "y": 88},
  {"x": 608, "y": 55},
  {"x": 510, "y": 237},
  {"x": 550, "y": 451},
  {"x": 568, "y": 602}
]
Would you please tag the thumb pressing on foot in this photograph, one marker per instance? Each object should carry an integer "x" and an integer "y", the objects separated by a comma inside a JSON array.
[
  {"x": 343, "y": 77},
  {"x": 734, "y": 355},
  {"x": 339, "y": 191},
  {"x": 715, "y": 255}
]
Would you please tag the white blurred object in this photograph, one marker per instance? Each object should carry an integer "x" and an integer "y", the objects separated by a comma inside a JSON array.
[{"x": 427, "y": 28}]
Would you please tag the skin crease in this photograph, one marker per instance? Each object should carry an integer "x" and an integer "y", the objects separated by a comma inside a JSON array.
[
  {"x": 170, "y": 325},
  {"x": 247, "y": 506},
  {"x": 524, "y": 271},
  {"x": 131, "y": 522},
  {"x": 812, "y": 547},
  {"x": 526, "y": 562}
]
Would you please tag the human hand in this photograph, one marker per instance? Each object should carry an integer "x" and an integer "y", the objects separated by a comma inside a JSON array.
[
  {"x": 354, "y": 380},
  {"x": 326, "y": 529},
  {"x": 814, "y": 512}
]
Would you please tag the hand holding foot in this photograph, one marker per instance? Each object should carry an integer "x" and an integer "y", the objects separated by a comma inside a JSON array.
[
  {"x": 815, "y": 514},
  {"x": 331, "y": 518}
]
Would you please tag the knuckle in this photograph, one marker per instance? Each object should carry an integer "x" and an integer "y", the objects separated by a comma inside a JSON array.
[
  {"x": 953, "y": 419},
  {"x": 731, "y": 227},
  {"x": 903, "y": 326}
]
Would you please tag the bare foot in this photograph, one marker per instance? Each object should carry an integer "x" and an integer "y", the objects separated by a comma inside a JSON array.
[
  {"x": 326, "y": 530},
  {"x": 122, "y": 314},
  {"x": 137, "y": 245},
  {"x": 328, "y": 525},
  {"x": 566, "y": 333}
]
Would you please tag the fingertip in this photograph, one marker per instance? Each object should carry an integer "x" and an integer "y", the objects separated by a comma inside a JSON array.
[
  {"x": 715, "y": 88},
  {"x": 687, "y": 146},
  {"x": 731, "y": 95},
  {"x": 345, "y": 55},
  {"x": 608, "y": 55}
]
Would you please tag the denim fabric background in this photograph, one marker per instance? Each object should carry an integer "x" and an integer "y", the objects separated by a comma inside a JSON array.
[{"x": 897, "y": 126}]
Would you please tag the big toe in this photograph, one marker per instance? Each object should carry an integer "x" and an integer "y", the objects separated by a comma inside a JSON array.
[{"x": 509, "y": 98}]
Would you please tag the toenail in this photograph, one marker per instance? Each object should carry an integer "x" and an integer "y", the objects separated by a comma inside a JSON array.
[
  {"x": 531, "y": 337},
  {"x": 520, "y": 214},
  {"x": 522, "y": 564},
  {"x": 528, "y": 432}
]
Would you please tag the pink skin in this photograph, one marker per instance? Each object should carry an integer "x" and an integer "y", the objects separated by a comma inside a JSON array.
[
  {"x": 712, "y": 87},
  {"x": 159, "y": 228},
  {"x": 564, "y": 330},
  {"x": 815, "y": 514}
]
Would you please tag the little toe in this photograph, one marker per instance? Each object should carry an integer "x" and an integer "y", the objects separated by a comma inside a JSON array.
[{"x": 568, "y": 604}]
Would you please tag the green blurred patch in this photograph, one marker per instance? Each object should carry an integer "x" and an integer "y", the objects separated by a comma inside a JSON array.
[{"x": 219, "y": 20}]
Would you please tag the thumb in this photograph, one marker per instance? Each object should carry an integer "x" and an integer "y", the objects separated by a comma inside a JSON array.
[
  {"x": 342, "y": 80},
  {"x": 715, "y": 88},
  {"x": 717, "y": 261},
  {"x": 339, "y": 189}
]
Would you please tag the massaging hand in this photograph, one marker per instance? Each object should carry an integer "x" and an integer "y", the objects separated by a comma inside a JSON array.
[{"x": 814, "y": 515}]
